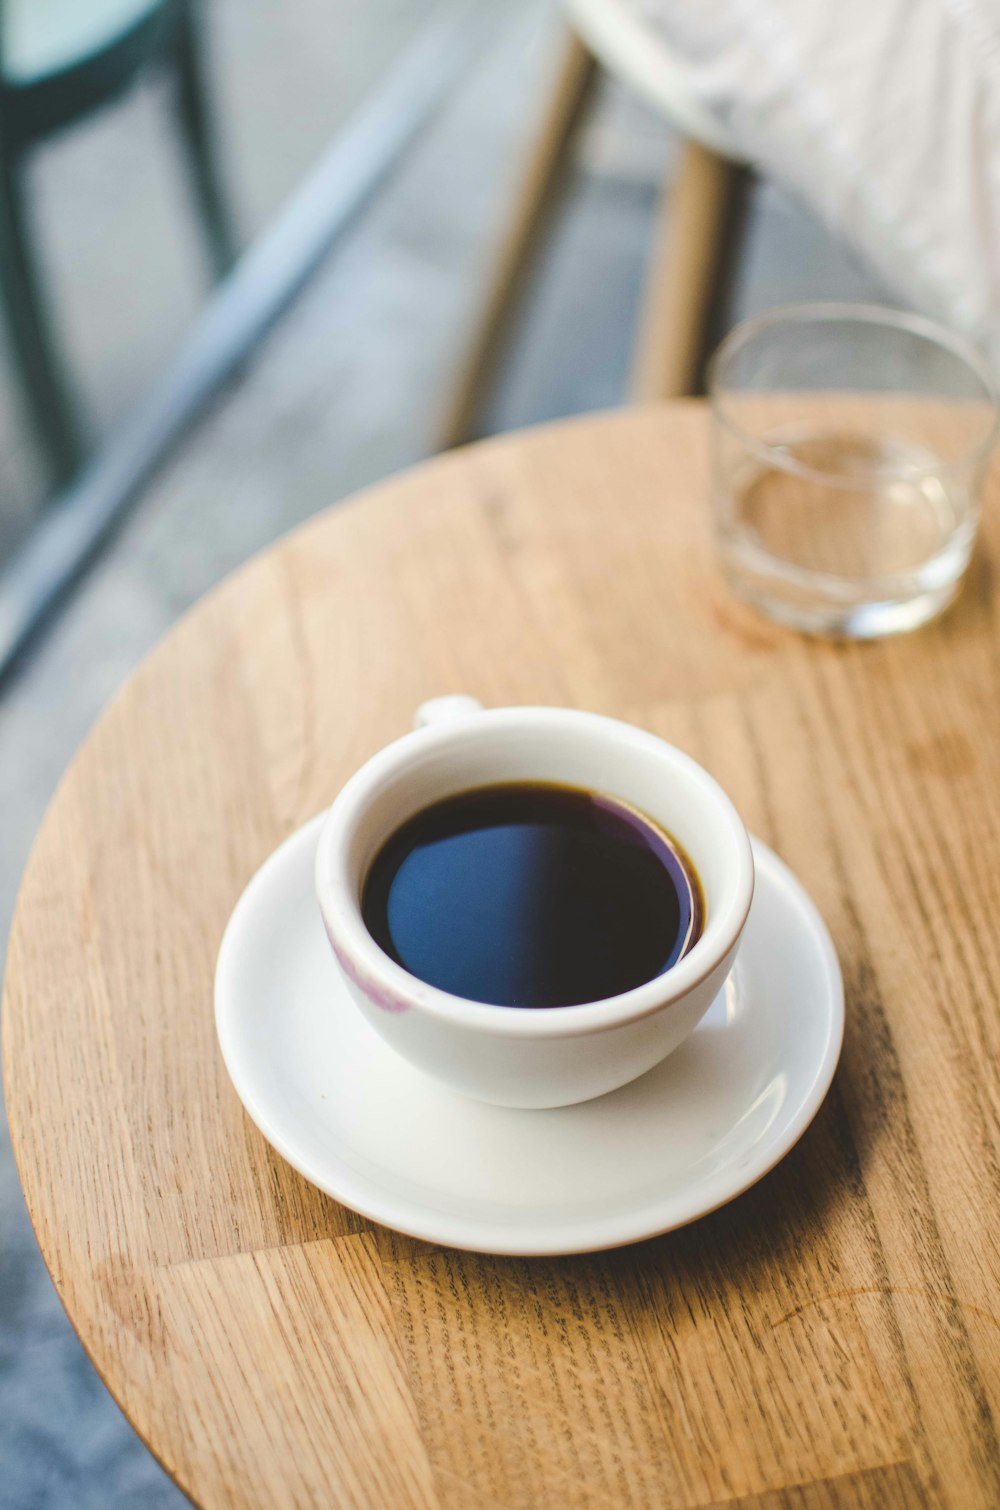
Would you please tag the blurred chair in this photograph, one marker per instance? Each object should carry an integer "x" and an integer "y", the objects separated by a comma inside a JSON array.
[
  {"x": 60, "y": 59},
  {"x": 698, "y": 235}
]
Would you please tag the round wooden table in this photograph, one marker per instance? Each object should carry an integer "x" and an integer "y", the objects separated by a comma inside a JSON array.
[{"x": 833, "y": 1336}]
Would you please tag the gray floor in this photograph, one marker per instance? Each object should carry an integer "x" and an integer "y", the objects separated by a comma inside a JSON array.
[{"x": 345, "y": 391}]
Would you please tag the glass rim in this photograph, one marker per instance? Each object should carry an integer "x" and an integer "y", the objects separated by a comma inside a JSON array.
[{"x": 865, "y": 314}]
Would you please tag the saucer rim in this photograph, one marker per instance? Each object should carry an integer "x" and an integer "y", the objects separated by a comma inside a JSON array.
[{"x": 476, "y": 1234}]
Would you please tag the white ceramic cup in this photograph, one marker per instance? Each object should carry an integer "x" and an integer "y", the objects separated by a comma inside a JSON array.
[{"x": 516, "y": 1056}]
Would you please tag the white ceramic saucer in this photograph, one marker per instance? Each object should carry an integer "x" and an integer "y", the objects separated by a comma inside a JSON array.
[{"x": 385, "y": 1139}]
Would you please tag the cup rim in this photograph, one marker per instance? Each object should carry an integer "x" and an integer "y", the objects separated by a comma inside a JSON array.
[
  {"x": 375, "y": 973},
  {"x": 830, "y": 312}
]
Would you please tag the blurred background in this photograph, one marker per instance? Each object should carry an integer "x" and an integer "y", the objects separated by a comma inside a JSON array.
[{"x": 350, "y": 383}]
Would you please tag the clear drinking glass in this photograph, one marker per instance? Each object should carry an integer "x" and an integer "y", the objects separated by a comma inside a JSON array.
[{"x": 849, "y": 444}]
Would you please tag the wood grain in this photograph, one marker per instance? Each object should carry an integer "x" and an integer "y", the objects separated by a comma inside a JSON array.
[{"x": 830, "y": 1339}]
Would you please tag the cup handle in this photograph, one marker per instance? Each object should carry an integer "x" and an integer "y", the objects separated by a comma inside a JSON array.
[{"x": 440, "y": 710}]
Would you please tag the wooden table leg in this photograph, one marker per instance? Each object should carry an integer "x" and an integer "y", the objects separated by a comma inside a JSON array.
[
  {"x": 692, "y": 262},
  {"x": 536, "y": 201}
]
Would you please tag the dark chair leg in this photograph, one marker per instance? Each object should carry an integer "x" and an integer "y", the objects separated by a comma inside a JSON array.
[
  {"x": 46, "y": 391},
  {"x": 194, "y": 117}
]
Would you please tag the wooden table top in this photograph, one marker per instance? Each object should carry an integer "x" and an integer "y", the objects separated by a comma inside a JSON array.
[{"x": 832, "y": 1338}]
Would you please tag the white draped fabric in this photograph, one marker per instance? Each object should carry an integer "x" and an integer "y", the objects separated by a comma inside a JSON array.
[{"x": 884, "y": 115}]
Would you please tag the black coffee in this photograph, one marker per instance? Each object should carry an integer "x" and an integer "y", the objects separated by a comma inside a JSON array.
[{"x": 532, "y": 895}]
